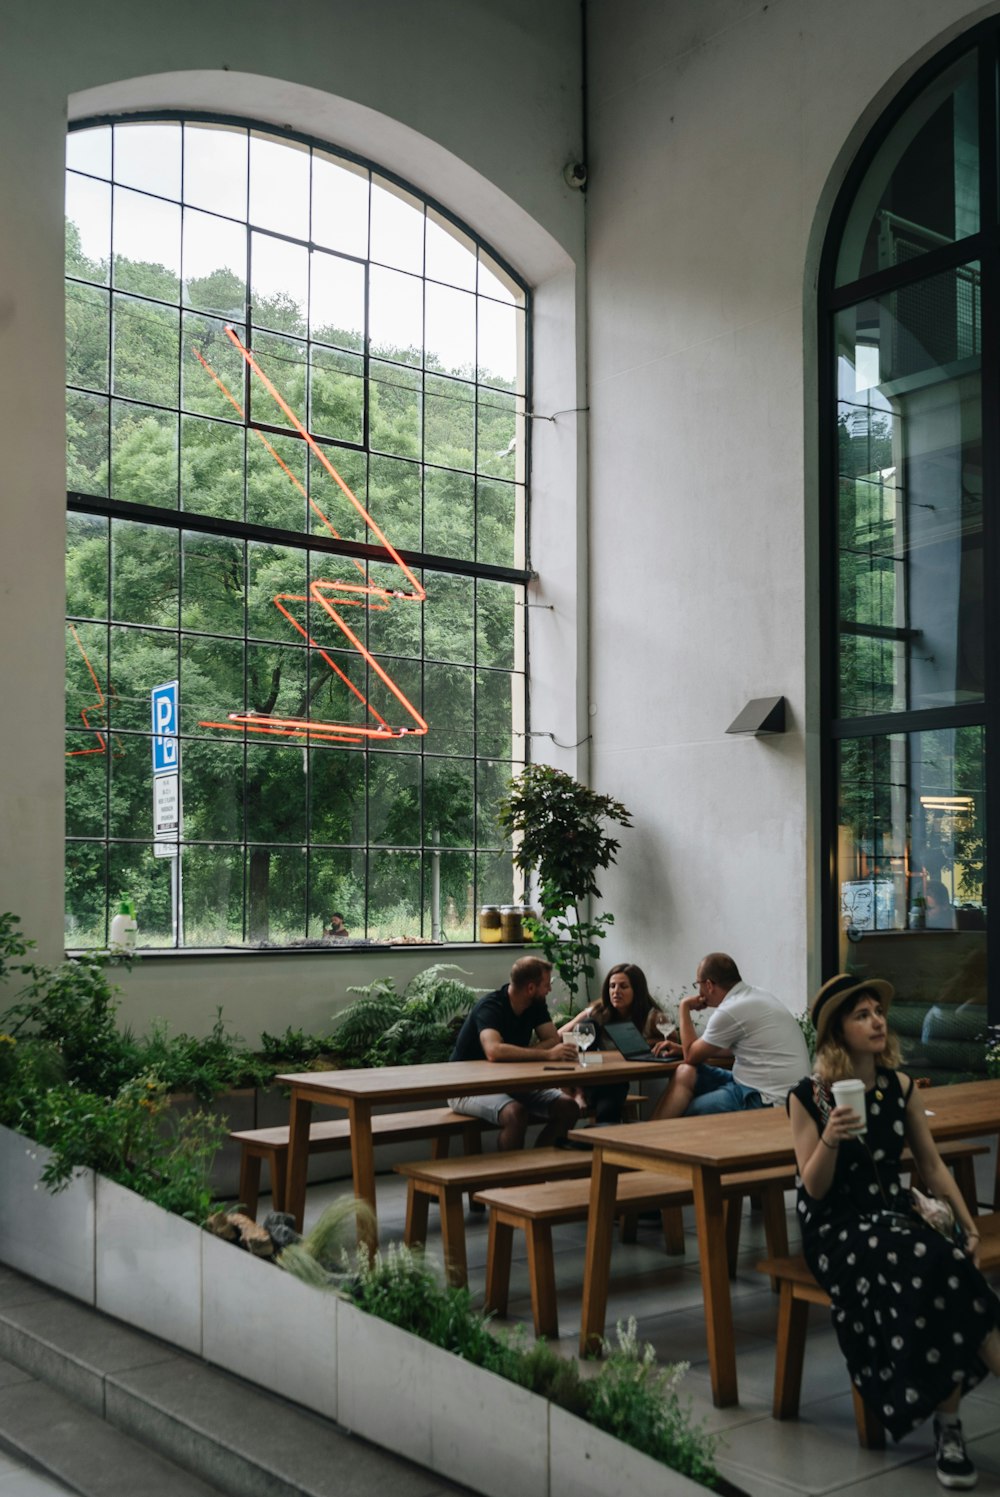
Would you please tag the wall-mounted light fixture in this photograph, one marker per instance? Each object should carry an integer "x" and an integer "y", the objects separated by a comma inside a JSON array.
[{"x": 760, "y": 718}]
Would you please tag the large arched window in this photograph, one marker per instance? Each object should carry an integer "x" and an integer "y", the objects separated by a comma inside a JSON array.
[
  {"x": 910, "y": 348},
  {"x": 296, "y": 471}
]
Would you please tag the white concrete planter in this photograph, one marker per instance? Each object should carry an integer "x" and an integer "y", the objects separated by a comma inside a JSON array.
[
  {"x": 268, "y": 1326},
  {"x": 148, "y": 1266},
  {"x": 108, "y": 1247},
  {"x": 585, "y": 1462},
  {"x": 49, "y": 1236}
]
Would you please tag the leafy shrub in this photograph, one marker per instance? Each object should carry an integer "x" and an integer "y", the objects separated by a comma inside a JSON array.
[
  {"x": 387, "y": 1028},
  {"x": 218, "y": 1062}
]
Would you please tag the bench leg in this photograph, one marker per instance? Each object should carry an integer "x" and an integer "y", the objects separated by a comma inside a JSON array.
[
  {"x": 734, "y": 1221},
  {"x": 440, "y": 1145},
  {"x": 250, "y": 1182},
  {"x": 472, "y": 1143},
  {"x": 628, "y": 1227},
  {"x": 871, "y": 1435},
  {"x": 417, "y": 1204},
  {"x": 541, "y": 1269},
  {"x": 499, "y": 1251},
  {"x": 673, "y": 1230},
  {"x": 775, "y": 1225},
  {"x": 793, "y": 1321},
  {"x": 453, "y": 1236}
]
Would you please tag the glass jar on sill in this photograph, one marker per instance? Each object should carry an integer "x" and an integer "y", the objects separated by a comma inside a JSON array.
[
  {"x": 489, "y": 923},
  {"x": 511, "y": 928}
]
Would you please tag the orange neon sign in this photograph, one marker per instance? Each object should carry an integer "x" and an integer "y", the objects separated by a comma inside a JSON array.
[
  {"x": 325, "y": 593},
  {"x": 98, "y": 706}
]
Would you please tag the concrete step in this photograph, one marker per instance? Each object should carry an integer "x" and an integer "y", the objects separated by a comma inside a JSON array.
[{"x": 110, "y": 1412}]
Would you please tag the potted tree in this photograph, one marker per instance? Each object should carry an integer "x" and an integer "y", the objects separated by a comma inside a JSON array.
[{"x": 558, "y": 829}]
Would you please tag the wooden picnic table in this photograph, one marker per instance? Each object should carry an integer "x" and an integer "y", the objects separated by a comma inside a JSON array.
[
  {"x": 359, "y": 1092},
  {"x": 702, "y": 1149}
]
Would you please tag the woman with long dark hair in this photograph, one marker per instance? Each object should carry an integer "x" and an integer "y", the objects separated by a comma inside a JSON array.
[
  {"x": 915, "y": 1318},
  {"x": 624, "y": 998}
]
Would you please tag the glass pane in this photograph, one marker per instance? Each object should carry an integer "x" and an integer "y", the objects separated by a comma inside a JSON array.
[
  {"x": 337, "y": 883},
  {"x": 397, "y": 227},
  {"x": 87, "y": 436},
  {"x": 455, "y": 916},
  {"x": 337, "y": 395},
  {"x": 215, "y": 169},
  {"x": 395, "y": 315},
  {"x": 500, "y": 436},
  {"x": 140, "y": 660},
  {"x": 340, "y": 205},
  {"x": 275, "y": 794},
  {"x": 910, "y": 498},
  {"x": 133, "y": 871},
  {"x": 149, "y": 156},
  {"x": 284, "y": 361},
  {"x": 145, "y": 574},
  {"x": 147, "y": 256},
  {"x": 448, "y": 616},
  {"x": 143, "y": 455},
  {"x": 449, "y": 513},
  {"x": 499, "y": 714},
  {"x": 922, "y": 189},
  {"x": 394, "y": 799},
  {"x": 337, "y": 301},
  {"x": 449, "y": 423},
  {"x": 911, "y": 885},
  {"x": 145, "y": 351},
  {"x": 213, "y": 584},
  {"x": 495, "y": 609},
  {"x": 90, "y": 150},
  {"x": 395, "y": 628},
  {"x": 87, "y": 683},
  {"x": 275, "y": 571},
  {"x": 495, "y": 878},
  {"x": 327, "y": 495},
  {"x": 131, "y": 800},
  {"x": 405, "y": 676},
  {"x": 211, "y": 678},
  {"x": 276, "y": 489},
  {"x": 215, "y": 264},
  {"x": 395, "y": 411},
  {"x": 88, "y": 229},
  {"x": 86, "y": 785},
  {"x": 276, "y": 683},
  {"x": 394, "y": 502},
  {"x": 279, "y": 285},
  {"x": 451, "y": 255},
  {"x": 448, "y": 802},
  {"x": 393, "y": 895},
  {"x": 86, "y": 895},
  {"x": 450, "y": 330},
  {"x": 500, "y": 345},
  {"x": 493, "y": 779},
  {"x": 212, "y": 368},
  {"x": 336, "y": 796},
  {"x": 211, "y": 468},
  {"x": 213, "y": 896},
  {"x": 88, "y": 336},
  {"x": 212, "y": 778},
  {"x": 279, "y": 185},
  {"x": 448, "y": 709},
  {"x": 87, "y": 566},
  {"x": 496, "y": 283},
  {"x": 500, "y": 511}
]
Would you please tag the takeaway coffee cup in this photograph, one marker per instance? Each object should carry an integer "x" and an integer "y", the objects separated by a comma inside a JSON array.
[{"x": 852, "y": 1094}]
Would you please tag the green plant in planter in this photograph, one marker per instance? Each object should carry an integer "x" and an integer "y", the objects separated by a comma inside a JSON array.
[
  {"x": 216, "y": 1063},
  {"x": 558, "y": 827},
  {"x": 388, "y": 1028}
]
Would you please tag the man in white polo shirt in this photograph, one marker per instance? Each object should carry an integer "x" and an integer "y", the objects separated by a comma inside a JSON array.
[{"x": 764, "y": 1040}]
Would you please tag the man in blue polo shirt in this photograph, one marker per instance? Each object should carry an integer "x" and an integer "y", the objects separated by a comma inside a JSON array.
[{"x": 501, "y": 1028}]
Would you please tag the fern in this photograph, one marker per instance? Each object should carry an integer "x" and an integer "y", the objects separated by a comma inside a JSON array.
[
  {"x": 377, "y": 1008},
  {"x": 386, "y": 1028}
]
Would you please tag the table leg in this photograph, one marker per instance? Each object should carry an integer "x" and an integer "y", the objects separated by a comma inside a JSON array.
[
  {"x": 710, "y": 1220},
  {"x": 600, "y": 1231},
  {"x": 297, "y": 1167},
  {"x": 363, "y": 1168}
]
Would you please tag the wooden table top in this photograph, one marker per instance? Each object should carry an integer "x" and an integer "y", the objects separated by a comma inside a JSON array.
[
  {"x": 762, "y": 1136},
  {"x": 467, "y": 1077}
]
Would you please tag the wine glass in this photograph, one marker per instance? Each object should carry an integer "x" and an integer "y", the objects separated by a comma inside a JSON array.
[
  {"x": 583, "y": 1037},
  {"x": 665, "y": 1025}
]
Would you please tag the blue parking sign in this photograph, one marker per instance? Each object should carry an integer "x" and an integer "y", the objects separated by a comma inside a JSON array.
[{"x": 165, "y": 725}]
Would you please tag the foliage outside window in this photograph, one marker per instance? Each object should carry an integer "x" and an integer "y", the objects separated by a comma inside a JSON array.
[
  {"x": 908, "y": 271},
  {"x": 399, "y": 343}
]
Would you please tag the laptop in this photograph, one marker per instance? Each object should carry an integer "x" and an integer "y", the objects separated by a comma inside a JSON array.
[{"x": 631, "y": 1045}]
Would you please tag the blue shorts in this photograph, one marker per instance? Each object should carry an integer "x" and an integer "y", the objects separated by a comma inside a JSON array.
[{"x": 716, "y": 1090}]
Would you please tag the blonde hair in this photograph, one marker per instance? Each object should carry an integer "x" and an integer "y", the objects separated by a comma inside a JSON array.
[{"x": 833, "y": 1061}]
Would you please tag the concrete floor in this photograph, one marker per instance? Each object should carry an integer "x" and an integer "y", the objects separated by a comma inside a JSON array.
[{"x": 818, "y": 1453}]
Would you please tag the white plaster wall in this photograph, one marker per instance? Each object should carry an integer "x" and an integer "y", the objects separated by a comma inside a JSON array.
[
  {"x": 478, "y": 103},
  {"x": 719, "y": 133}
]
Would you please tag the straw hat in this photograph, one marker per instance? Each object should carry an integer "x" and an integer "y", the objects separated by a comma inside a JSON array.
[{"x": 833, "y": 995}]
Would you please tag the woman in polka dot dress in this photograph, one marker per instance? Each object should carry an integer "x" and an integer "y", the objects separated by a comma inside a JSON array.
[{"x": 915, "y": 1318}]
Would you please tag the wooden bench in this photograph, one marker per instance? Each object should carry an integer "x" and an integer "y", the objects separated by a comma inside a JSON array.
[
  {"x": 798, "y": 1290},
  {"x": 535, "y": 1209},
  {"x": 447, "y": 1180},
  {"x": 439, "y": 1124}
]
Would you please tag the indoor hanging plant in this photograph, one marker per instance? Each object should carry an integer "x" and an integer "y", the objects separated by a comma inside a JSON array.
[{"x": 558, "y": 827}]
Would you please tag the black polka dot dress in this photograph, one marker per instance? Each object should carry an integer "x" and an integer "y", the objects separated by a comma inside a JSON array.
[{"x": 909, "y": 1307}]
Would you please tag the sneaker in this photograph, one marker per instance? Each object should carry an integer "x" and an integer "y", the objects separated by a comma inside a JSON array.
[{"x": 954, "y": 1469}]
